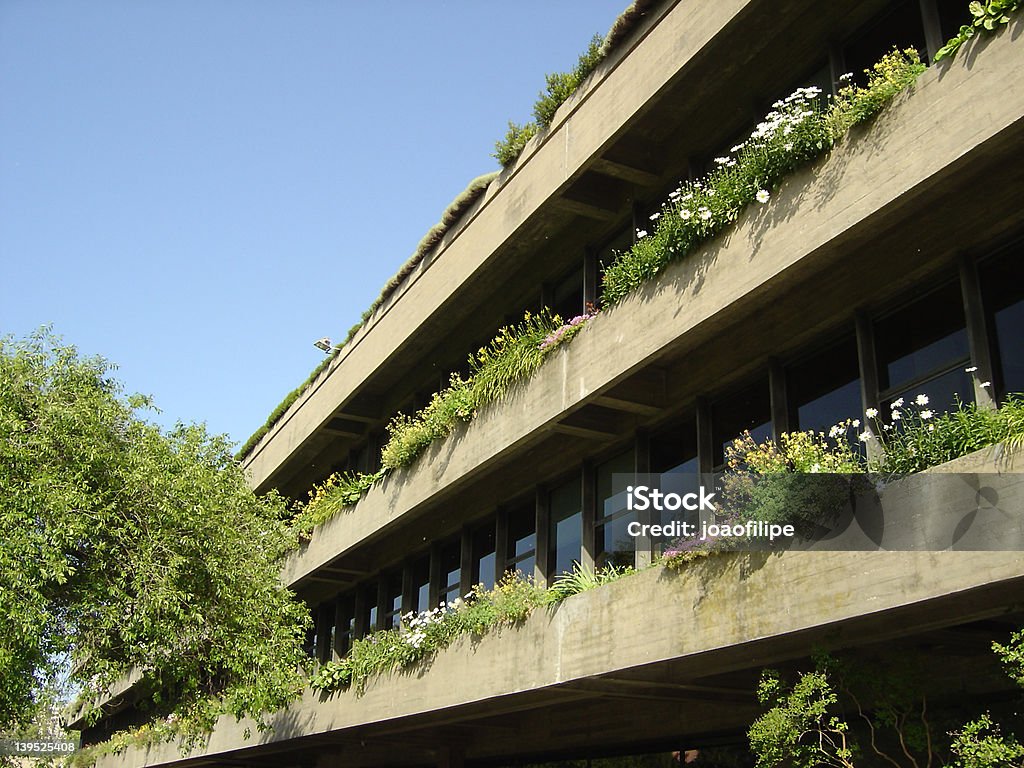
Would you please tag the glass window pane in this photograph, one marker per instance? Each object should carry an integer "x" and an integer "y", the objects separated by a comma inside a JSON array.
[
  {"x": 483, "y": 555},
  {"x": 613, "y": 544},
  {"x": 612, "y": 478},
  {"x": 750, "y": 410},
  {"x": 522, "y": 532},
  {"x": 566, "y": 527},
  {"x": 451, "y": 570},
  {"x": 943, "y": 392},
  {"x": 928, "y": 337},
  {"x": 825, "y": 389},
  {"x": 1003, "y": 295},
  {"x": 421, "y": 584}
]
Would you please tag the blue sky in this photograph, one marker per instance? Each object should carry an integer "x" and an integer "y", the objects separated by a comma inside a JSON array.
[{"x": 199, "y": 190}]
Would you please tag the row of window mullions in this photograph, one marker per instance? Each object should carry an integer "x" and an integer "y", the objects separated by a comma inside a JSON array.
[{"x": 980, "y": 353}]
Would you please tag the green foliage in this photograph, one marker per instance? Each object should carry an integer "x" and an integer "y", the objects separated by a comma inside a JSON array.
[
  {"x": 410, "y": 435},
  {"x": 338, "y": 491},
  {"x": 511, "y": 356},
  {"x": 917, "y": 439},
  {"x": 799, "y": 729},
  {"x": 892, "y": 74},
  {"x": 127, "y": 547},
  {"x": 793, "y": 133},
  {"x": 581, "y": 579},
  {"x": 987, "y": 17},
  {"x": 981, "y": 744},
  {"x": 561, "y": 85},
  {"x": 462, "y": 203},
  {"x": 422, "y": 635},
  {"x": 1012, "y": 657},
  {"x": 509, "y": 148}
]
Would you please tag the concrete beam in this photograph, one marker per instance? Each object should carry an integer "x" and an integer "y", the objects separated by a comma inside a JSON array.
[{"x": 874, "y": 174}]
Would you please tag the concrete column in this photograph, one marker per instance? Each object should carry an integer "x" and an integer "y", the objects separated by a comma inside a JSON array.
[{"x": 977, "y": 334}]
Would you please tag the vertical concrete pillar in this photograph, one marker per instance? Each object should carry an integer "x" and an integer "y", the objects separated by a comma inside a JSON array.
[{"x": 977, "y": 334}]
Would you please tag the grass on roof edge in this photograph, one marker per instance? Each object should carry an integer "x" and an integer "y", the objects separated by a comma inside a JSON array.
[
  {"x": 621, "y": 28},
  {"x": 455, "y": 210}
]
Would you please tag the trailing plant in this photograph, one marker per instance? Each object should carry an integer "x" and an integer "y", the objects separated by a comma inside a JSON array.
[
  {"x": 511, "y": 356},
  {"x": 853, "y": 104},
  {"x": 985, "y": 17},
  {"x": 422, "y": 635},
  {"x": 410, "y": 435},
  {"x": 806, "y": 476},
  {"x": 796, "y": 131},
  {"x": 338, "y": 491}
]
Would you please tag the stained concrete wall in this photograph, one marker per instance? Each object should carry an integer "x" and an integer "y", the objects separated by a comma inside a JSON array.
[
  {"x": 582, "y": 127},
  {"x": 724, "y": 613},
  {"x": 916, "y": 143}
]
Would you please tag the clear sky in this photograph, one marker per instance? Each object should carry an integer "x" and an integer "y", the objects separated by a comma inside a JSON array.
[{"x": 199, "y": 190}]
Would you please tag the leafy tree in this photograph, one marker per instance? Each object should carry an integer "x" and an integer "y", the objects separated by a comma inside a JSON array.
[
  {"x": 799, "y": 729},
  {"x": 122, "y": 547}
]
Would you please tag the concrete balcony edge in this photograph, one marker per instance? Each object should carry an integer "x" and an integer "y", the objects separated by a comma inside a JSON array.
[
  {"x": 752, "y": 609},
  {"x": 815, "y": 209},
  {"x": 593, "y": 117}
]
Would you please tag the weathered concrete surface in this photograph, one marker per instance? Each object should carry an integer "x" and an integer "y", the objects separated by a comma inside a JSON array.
[
  {"x": 811, "y": 215},
  {"x": 721, "y": 614},
  {"x": 596, "y": 115}
]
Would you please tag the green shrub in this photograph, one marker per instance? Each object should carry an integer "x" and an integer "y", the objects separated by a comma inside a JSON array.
[
  {"x": 562, "y": 85},
  {"x": 917, "y": 439},
  {"x": 509, "y": 148},
  {"x": 793, "y": 133},
  {"x": 410, "y": 435},
  {"x": 338, "y": 491}
]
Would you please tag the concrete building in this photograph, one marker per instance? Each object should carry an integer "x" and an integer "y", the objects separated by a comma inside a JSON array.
[{"x": 887, "y": 267}]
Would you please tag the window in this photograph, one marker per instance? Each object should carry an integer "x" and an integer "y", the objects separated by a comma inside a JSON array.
[
  {"x": 750, "y": 410},
  {"x": 825, "y": 389},
  {"x": 345, "y": 626},
  {"x": 922, "y": 349},
  {"x": 566, "y": 506},
  {"x": 613, "y": 544},
  {"x": 421, "y": 584},
  {"x": 900, "y": 25},
  {"x": 674, "y": 459},
  {"x": 451, "y": 570},
  {"x": 1003, "y": 295},
  {"x": 392, "y": 600},
  {"x": 567, "y": 297},
  {"x": 369, "y": 613},
  {"x": 484, "y": 555},
  {"x": 522, "y": 540}
]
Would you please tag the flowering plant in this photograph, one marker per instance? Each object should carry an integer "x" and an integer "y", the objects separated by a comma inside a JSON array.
[{"x": 796, "y": 130}]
